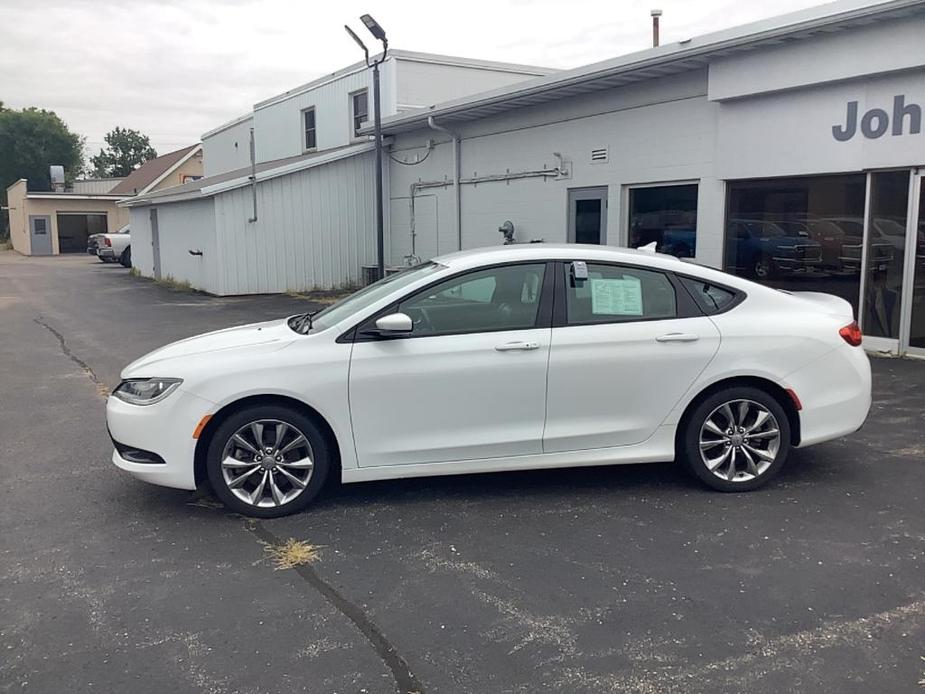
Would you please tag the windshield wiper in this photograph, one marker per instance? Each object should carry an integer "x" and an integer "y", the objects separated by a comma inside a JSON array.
[{"x": 302, "y": 323}]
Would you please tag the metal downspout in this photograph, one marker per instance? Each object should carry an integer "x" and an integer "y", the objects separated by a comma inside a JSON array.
[{"x": 432, "y": 124}]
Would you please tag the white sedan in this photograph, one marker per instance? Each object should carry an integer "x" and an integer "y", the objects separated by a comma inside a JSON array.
[{"x": 509, "y": 358}]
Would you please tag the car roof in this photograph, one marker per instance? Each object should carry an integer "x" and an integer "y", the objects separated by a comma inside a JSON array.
[
  {"x": 477, "y": 257},
  {"x": 558, "y": 251}
]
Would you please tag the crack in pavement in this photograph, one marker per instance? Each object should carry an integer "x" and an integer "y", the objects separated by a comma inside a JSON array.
[
  {"x": 101, "y": 387},
  {"x": 405, "y": 680}
]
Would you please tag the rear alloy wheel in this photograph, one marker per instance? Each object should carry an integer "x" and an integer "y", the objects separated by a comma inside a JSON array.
[
  {"x": 267, "y": 461},
  {"x": 737, "y": 439}
]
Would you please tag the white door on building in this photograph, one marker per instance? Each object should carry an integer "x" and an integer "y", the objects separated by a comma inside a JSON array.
[
  {"x": 587, "y": 215},
  {"x": 40, "y": 235},
  {"x": 468, "y": 383}
]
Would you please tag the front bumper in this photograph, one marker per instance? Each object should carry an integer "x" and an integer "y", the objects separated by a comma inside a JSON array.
[{"x": 166, "y": 429}]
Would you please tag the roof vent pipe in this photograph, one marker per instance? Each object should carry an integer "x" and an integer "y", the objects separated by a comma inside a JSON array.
[{"x": 655, "y": 15}]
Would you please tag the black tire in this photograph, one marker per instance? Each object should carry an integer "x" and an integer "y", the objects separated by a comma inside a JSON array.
[
  {"x": 689, "y": 448},
  {"x": 126, "y": 258},
  {"x": 319, "y": 450}
]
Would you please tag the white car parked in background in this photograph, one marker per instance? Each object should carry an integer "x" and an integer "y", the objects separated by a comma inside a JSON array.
[
  {"x": 510, "y": 358},
  {"x": 111, "y": 248}
]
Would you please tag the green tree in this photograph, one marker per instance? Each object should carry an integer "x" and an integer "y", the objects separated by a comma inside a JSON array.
[
  {"x": 125, "y": 151},
  {"x": 31, "y": 140}
]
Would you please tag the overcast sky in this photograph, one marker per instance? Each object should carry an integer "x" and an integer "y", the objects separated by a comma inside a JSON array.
[{"x": 177, "y": 68}]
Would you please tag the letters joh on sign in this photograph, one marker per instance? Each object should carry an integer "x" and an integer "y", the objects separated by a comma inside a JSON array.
[{"x": 875, "y": 122}]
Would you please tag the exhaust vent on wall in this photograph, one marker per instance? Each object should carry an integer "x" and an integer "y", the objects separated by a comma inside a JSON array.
[{"x": 599, "y": 156}]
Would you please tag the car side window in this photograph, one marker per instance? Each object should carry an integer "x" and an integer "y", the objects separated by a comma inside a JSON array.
[
  {"x": 499, "y": 298},
  {"x": 712, "y": 297},
  {"x": 617, "y": 294}
]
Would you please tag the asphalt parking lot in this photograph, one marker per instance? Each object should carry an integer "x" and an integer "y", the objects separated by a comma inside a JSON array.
[{"x": 598, "y": 580}]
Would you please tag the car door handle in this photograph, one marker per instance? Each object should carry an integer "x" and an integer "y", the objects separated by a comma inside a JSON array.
[
  {"x": 678, "y": 337},
  {"x": 515, "y": 346}
]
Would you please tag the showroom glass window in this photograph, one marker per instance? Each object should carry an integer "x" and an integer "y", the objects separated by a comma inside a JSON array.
[
  {"x": 499, "y": 298},
  {"x": 666, "y": 215},
  {"x": 886, "y": 251},
  {"x": 798, "y": 234}
]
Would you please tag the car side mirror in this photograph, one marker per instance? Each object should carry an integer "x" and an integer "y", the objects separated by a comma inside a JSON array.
[{"x": 394, "y": 324}]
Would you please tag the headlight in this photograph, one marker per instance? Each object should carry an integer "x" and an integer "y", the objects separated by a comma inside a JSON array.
[{"x": 146, "y": 391}]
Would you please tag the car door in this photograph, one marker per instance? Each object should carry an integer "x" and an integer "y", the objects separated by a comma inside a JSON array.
[
  {"x": 627, "y": 344},
  {"x": 468, "y": 382}
]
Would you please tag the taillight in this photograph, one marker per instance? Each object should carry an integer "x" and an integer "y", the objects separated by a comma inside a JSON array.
[
  {"x": 851, "y": 334},
  {"x": 107, "y": 242}
]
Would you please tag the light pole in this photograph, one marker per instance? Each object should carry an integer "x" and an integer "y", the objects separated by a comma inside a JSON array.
[{"x": 379, "y": 33}]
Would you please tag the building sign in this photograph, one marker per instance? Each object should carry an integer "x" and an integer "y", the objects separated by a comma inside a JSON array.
[{"x": 905, "y": 119}]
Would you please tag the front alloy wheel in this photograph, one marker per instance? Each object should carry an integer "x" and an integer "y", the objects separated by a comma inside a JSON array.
[
  {"x": 267, "y": 461},
  {"x": 736, "y": 439}
]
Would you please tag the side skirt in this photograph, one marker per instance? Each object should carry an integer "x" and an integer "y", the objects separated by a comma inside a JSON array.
[{"x": 658, "y": 449}]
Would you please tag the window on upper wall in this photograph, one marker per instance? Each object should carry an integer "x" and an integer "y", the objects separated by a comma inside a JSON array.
[
  {"x": 308, "y": 123},
  {"x": 359, "y": 110}
]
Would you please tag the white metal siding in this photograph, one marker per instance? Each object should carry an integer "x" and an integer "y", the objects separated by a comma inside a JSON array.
[
  {"x": 227, "y": 150},
  {"x": 279, "y": 125},
  {"x": 186, "y": 226},
  {"x": 142, "y": 257},
  {"x": 422, "y": 83},
  {"x": 663, "y": 130},
  {"x": 315, "y": 229},
  {"x": 97, "y": 185}
]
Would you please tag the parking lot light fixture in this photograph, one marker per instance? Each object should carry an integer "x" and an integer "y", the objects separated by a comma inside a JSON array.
[
  {"x": 374, "y": 27},
  {"x": 379, "y": 33}
]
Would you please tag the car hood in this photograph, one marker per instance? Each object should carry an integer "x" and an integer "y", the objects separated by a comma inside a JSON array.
[{"x": 258, "y": 337}]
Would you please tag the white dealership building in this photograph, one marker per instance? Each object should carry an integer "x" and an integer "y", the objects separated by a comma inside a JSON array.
[{"x": 791, "y": 150}]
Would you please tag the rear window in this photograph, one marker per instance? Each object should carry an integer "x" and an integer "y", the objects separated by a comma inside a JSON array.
[{"x": 711, "y": 297}]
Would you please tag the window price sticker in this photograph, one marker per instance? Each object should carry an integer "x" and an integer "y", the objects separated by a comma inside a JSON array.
[{"x": 616, "y": 297}]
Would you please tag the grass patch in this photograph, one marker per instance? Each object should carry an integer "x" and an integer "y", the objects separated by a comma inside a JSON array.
[
  {"x": 172, "y": 283},
  {"x": 134, "y": 272},
  {"x": 6, "y": 245},
  {"x": 291, "y": 553},
  {"x": 323, "y": 296}
]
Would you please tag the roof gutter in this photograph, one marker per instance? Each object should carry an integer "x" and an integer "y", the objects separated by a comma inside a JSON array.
[{"x": 432, "y": 124}]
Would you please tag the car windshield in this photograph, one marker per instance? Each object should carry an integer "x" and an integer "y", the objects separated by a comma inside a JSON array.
[{"x": 346, "y": 307}]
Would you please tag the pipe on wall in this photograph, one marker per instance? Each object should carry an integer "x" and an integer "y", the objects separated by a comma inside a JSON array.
[
  {"x": 432, "y": 124},
  {"x": 459, "y": 182},
  {"x": 253, "y": 177}
]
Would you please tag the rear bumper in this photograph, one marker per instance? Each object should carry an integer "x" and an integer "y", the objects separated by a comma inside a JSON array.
[
  {"x": 105, "y": 252},
  {"x": 836, "y": 395}
]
